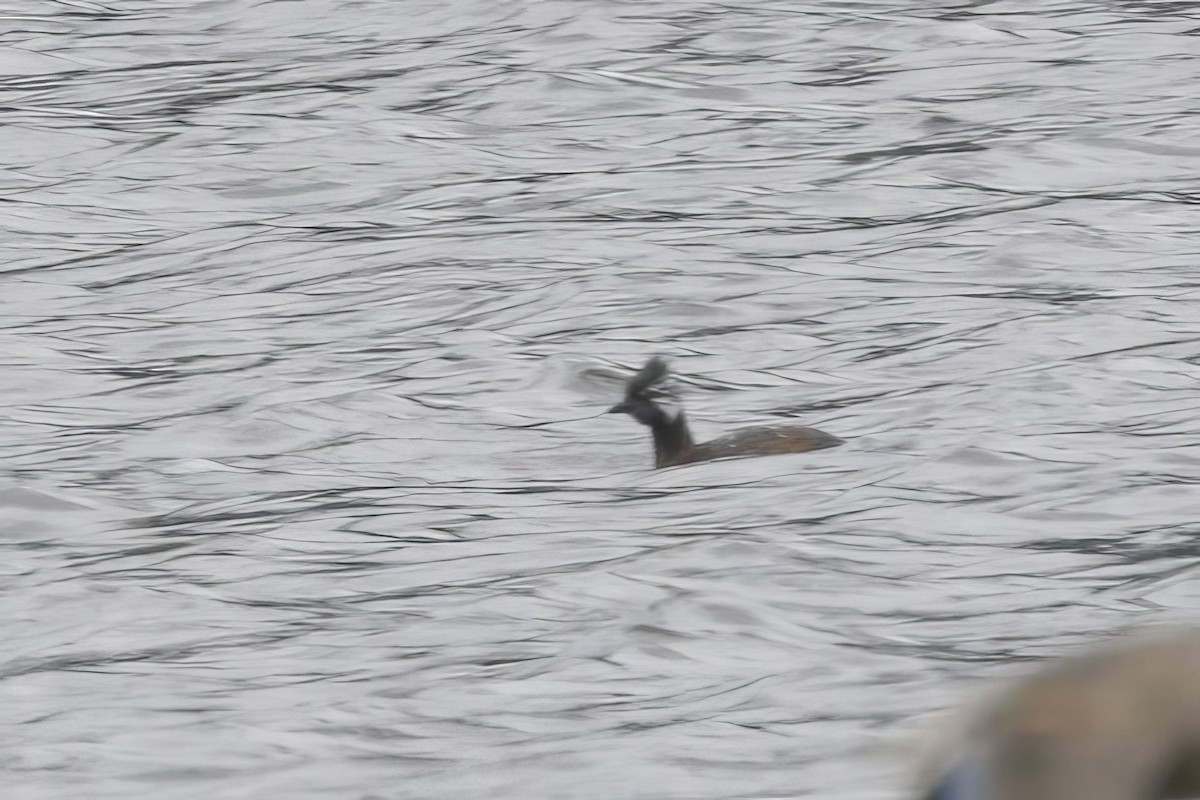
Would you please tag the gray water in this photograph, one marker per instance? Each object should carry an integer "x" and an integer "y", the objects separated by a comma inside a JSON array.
[{"x": 312, "y": 312}]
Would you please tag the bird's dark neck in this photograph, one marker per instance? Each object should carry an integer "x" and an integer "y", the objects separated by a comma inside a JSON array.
[{"x": 671, "y": 439}]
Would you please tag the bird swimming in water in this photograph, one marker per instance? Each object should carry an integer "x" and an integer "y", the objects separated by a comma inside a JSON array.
[
  {"x": 1121, "y": 723},
  {"x": 650, "y": 399}
]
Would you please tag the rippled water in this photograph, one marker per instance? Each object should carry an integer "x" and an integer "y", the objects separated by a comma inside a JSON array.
[{"x": 313, "y": 309}]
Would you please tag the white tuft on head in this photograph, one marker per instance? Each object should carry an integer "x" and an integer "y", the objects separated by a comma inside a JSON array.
[
  {"x": 663, "y": 395},
  {"x": 670, "y": 405}
]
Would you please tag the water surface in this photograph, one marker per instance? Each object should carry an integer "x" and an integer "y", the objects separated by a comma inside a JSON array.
[{"x": 313, "y": 309}]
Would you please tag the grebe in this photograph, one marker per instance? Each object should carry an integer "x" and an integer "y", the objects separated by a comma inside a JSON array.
[{"x": 651, "y": 401}]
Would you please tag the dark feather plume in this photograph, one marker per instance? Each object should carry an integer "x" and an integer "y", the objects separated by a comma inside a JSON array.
[{"x": 650, "y": 376}]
